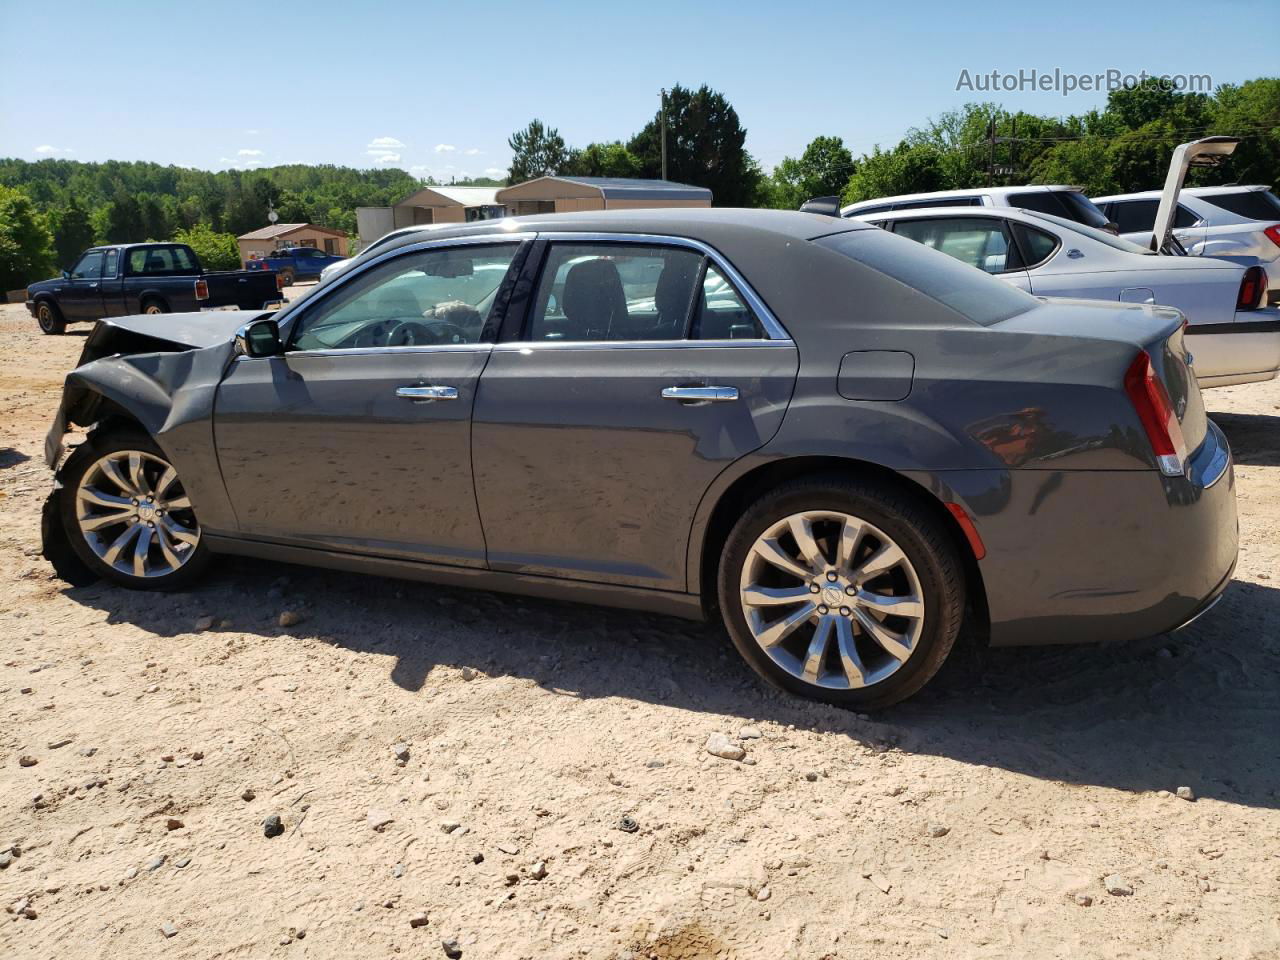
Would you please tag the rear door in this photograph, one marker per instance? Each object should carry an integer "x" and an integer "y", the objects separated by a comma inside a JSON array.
[{"x": 643, "y": 368}]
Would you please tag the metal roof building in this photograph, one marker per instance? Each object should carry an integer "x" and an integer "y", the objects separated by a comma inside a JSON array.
[{"x": 565, "y": 194}]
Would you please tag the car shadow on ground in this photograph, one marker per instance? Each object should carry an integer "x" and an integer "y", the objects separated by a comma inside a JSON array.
[
  {"x": 1198, "y": 708},
  {"x": 9, "y": 457},
  {"x": 1254, "y": 437}
]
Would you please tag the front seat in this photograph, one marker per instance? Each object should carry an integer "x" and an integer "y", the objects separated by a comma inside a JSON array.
[
  {"x": 672, "y": 295},
  {"x": 593, "y": 300}
]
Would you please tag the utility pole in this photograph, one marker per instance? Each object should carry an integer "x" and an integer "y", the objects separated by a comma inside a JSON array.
[
  {"x": 663, "y": 114},
  {"x": 991, "y": 148}
]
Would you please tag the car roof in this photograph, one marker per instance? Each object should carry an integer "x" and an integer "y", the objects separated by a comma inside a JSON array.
[
  {"x": 1186, "y": 192},
  {"x": 971, "y": 192},
  {"x": 924, "y": 213},
  {"x": 711, "y": 225}
]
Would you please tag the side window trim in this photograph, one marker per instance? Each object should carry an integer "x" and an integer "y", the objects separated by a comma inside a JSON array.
[
  {"x": 773, "y": 329},
  {"x": 1013, "y": 252},
  {"x": 523, "y": 241}
]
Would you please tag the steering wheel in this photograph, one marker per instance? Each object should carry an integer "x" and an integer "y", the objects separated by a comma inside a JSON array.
[{"x": 412, "y": 333}]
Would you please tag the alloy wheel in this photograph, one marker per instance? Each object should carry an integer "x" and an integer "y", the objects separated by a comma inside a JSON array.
[
  {"x": 44, "y": 317},
  {"x": 832, "y": 600},
  {"x": 135, "y": 515}
]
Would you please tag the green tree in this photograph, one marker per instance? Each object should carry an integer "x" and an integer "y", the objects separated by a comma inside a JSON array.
[
  {"x": 603, "y": 160},
  {"x": 217, "y": 251},
  {"x": 26, "y": 247},
  {"x": 536, "y": 151},
  {"x": 155, "y": 223},
  {"x": 904, "y": 169},
  {"x": 705, "y": 147},
  {"x": 822, "y": 170},
  {"x": 73, "y": 233},
  {"x": 124, "y": 220}
]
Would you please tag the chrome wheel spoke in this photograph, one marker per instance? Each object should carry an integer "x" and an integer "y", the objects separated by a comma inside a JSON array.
[
  {"x": 179, "y": 532},
  {"x": 178, "y": 503},
  {"x": 111, "y": 469},
  {"x": 802, "y": 531},
  {"x": 167, "y": 480},
  {"x": 120, "y": 544},
  {"x": 136, "y": 474},
  {"x": 850, "y": 537},
  {"x": 886, "y": 639},
  {"x": 99, "y": 521},
  {"x": 100, "y": 499},
  {"x": 166, "y": 547},
  {"x": 882, "y": 561},
  {"x": 895, "y": 606},
  {"x": 771, "y": 551},
  {"x": 141, "y": 550},
  {"x": 855, "y": 672},
  {"x": 756, "y": 596},
  {"x": 818, "y": 648},
  {"x": 779, "y": 630}
]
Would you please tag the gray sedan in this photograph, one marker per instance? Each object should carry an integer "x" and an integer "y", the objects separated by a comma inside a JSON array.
[{"x": 845, "y": 445}]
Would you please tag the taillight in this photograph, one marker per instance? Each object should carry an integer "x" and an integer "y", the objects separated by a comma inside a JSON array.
[
  {"x": 202, "y": 290},
  {"x": 1252, "y": 285},
  {"x": 280, "y": 282},
  {"x": 1151, "y": 401},
  {"x": 1273, "y": 233}
]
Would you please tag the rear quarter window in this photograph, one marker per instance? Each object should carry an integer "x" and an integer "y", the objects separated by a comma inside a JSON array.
[{"x": 966, "y": 290}]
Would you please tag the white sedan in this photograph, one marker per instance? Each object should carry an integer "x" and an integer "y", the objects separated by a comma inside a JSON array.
[{"x": 1234, "y": 337}]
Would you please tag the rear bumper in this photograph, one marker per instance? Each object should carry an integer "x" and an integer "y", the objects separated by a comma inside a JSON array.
[{"x": 1089, "y": 556}]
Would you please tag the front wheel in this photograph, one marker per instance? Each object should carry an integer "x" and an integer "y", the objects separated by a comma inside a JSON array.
[
  {"x": 127, "y": 514},
  {"x": 155, "y": 306},
  {"x": 842, "y": 590},
  {"x": 50, "y": 318}
]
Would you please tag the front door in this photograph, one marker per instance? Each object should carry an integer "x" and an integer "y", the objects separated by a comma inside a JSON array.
[
  {"x": 358, "y": 438},
  {"x": 642, "y": 372},
  {"x": 81, "y": 294}
]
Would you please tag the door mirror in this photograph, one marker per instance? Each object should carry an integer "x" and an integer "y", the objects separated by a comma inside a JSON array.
[
  {"x": 66, "y": 274},
  {"x": 261, "y": 338}
]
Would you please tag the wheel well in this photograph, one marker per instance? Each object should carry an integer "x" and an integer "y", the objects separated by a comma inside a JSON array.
[{"x": 756, "y": 483}]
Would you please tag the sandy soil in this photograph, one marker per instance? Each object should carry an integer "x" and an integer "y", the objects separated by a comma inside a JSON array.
[{"x": 976, "y": 821}]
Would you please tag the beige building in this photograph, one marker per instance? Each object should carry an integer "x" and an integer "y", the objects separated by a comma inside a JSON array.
[
  {"x": 543, "y": 195},
  {"x": 571, "y": 194},
  {"x": 259, "y": 243}
]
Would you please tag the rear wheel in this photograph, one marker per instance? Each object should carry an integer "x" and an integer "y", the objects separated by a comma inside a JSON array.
[
  {"x": 50, "y": 318},
  {"x": 843, "y": 591},
  {"x": 127, "y": 515},
  {"x": 286, "y": 277},
  {"x": 154, "y": 306}
]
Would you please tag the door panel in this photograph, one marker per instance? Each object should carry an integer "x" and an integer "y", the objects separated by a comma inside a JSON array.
[
  {"x": 318, "y": 449},
  {"x": 81, "y": 295},
  {"x": 584, "y": 470}
]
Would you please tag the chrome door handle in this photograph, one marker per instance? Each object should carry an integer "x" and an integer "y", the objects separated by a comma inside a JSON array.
[
  {"x": 426, "y": 394},
  {"x": 700, "y": 394}
]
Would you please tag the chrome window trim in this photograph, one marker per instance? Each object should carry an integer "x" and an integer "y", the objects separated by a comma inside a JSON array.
[
  {"x": 528, "y": 346},
  {"x": 772, "y": 327},
  {"x": 381, "y": 351}
]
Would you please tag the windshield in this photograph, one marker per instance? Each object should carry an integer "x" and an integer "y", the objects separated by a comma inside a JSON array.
[{"x": 1102, "y": 236}]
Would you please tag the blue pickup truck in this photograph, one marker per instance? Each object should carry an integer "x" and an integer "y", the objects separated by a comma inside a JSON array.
[
  {"x": 295, "y": 263},
  {"x": 127, "y": 278}
]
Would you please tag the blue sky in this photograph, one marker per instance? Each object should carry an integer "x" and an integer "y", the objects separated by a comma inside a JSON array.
[{"x": 436, "y": 88}]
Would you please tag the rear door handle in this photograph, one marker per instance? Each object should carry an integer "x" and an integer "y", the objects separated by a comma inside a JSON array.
[
  {"x": 692, "y": 395},
  {"x": 426, "y": 394}
]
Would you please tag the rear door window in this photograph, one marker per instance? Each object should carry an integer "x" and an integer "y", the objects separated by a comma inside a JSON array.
[
  {"x": 938, "y": 202},
  {"x": 1134, "y": 216},
  {"x": 981, "y": 242},
  {"x": 1253, "y": 204}
]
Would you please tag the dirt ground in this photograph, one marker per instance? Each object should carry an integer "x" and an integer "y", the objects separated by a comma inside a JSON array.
[{"x": 556, "y": 800}]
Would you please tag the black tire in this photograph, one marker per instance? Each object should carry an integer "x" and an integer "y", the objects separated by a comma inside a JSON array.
[
  {"x": 100, "y": 444},
  {"x": 927, "y": 545},
  {"x": 286, "y": 277},
  {"x": 49, "y": 317},
  {"x": 154, "y": 305}
]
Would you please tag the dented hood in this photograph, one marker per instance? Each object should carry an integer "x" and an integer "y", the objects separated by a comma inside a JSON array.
[{"x": 183, "y": 330}]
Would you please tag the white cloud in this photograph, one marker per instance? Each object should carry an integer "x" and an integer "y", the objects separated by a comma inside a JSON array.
[
  {"x": 495, "y": 171},
  {"x": 473, "y": 152},
  {"x": 251, "y": 133},
  {"x": 420, "y": 168},
  {"x": 49, "y": 150},
  {"x": 385, "y": 143},
  {"x": 388, "y": 158},
  {"x": 445, "y": 148},
  {"x": 248, "y": 153}
]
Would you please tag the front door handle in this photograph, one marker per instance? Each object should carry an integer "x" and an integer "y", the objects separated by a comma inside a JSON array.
[
  {"x": 422, "y": 394},
  {"x": 692, "y": 395}
]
